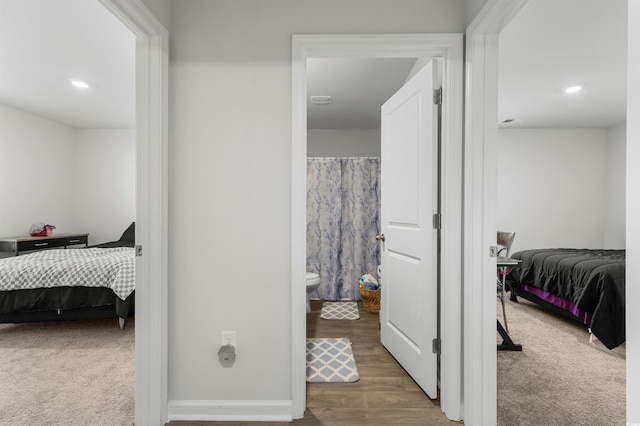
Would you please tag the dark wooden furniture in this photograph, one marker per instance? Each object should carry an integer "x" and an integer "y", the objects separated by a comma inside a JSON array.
[{"x": 18, "y": 244}]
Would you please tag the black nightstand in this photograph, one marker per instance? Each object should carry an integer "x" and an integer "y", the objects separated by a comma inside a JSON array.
[{"x": 18, "y": 244}]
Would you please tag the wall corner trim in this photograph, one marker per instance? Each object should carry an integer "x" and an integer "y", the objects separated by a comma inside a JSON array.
[{"x": 231, "y": 410}]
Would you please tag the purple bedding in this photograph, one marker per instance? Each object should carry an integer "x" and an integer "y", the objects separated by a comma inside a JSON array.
[{"x": 588, "y": 284}]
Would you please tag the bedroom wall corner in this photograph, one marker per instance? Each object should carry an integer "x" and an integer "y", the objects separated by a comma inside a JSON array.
[
  {"x": 563, "y": 202},
  {"x": 615, "y": 187},
  {"x": 36, "y": 177},
  {"x": 105, "y": 182}
]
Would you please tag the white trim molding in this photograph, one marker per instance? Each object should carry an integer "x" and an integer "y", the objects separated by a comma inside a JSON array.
[
  {"x": 632, "y": 213},
  {"x": 448, "y": 49},
  {"x": 152, "y": 65},
  {"x": 227, "y": 410},
  {"x": 481, "y": 111}
]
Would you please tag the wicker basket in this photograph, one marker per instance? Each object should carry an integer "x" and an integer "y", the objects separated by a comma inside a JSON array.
[{"x": 370, "y": 299}]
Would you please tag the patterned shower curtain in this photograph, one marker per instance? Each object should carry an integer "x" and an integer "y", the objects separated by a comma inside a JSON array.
[{"x": 343, "y": 218}]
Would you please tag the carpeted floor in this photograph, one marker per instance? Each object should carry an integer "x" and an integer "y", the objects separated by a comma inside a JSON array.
[
  {"x": 82, "y": 372},
  {"x": 559, "y": 378},
  {"x": 67, "y": 373}
]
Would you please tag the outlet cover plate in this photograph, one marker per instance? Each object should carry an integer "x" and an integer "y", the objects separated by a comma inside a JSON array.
[{"x": 228, "y": 338}]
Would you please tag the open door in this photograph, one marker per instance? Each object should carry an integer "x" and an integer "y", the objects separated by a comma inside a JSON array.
[{"x": 409, "y": 197}]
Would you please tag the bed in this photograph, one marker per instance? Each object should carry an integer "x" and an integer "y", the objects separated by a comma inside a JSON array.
[
  {"x": 68, "y": 284},
  {"x": 585, "y": 285}
]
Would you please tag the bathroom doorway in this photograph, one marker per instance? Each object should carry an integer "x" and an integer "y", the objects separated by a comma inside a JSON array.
[
  {"x": 343, "y": 167},
  {"x": 446, "y": 47}
]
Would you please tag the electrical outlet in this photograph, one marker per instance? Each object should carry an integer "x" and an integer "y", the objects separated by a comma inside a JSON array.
[{"x": 229, "y": 338}]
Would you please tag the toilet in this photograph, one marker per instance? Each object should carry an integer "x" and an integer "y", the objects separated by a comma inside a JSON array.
[{"x": 313, "y": 282}]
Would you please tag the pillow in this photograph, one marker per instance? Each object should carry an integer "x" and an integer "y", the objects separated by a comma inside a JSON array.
[{"x": 130, "y": 234}]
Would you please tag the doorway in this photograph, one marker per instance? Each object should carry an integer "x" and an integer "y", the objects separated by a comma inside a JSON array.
[
  {"x": 544, "y": 126},
  {"x": 449, "y": 49},
  {"x": 152, "y": 69},
  {"x": 343, "y": 167},
  {"x": 345, "y": 210},
  {"x": 480, "y": 214},
  {"x": 48, "y": 45}
]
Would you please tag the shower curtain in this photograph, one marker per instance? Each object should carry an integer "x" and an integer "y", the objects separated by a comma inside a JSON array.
[{"x": 343, "y": 218}]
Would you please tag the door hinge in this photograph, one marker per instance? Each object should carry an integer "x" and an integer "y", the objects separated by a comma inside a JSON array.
[
  {"x": 437, "y": 96},
  {"x": 493, "y": 251},
  {"x": 435, "y": 346},
  {"x": 138, "y": 251},
  {"x": 437, "y": 221}
]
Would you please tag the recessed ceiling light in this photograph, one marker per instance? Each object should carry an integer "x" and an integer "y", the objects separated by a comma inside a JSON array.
[
  {"x": 79, "y": 84},
  {"x": 573, "y": 89},
  {"x": 320, "y": 100}
]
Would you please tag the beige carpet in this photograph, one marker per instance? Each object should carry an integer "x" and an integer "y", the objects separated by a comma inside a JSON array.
[
  {"x": 67, "y": 373},
  {"x": 82, "y": 373},
  {"x": 559, "y": 378}
]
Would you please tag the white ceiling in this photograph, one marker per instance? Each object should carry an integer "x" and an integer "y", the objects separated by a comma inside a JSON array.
[
  {"x": 357, "y": 86},
  {"x": 44, "y": 43},
  {"x": 550, "y": 44}
]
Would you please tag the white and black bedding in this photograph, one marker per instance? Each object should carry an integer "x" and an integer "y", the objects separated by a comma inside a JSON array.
[
  {"x": 585, "y": 285},
  {"x": 83, "y": 283}
]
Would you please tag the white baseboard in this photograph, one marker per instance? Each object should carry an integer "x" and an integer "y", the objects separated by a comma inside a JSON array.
[{"x": 239, "y": 410}]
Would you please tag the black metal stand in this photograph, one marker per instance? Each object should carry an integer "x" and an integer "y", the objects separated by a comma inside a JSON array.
[{"x": 507, "y": 344}]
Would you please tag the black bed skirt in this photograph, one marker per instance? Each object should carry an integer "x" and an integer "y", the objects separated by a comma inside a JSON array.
[{"x": 63, "y": 303}]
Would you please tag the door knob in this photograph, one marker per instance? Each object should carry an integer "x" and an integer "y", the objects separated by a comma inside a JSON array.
[{"x": 380, "y": 237}]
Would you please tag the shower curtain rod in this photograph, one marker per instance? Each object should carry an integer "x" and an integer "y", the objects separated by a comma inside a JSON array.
[{"x": 346, "y": 158}]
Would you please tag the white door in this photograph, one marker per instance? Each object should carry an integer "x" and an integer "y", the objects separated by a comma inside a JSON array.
[{"x": 409, "y": 196}]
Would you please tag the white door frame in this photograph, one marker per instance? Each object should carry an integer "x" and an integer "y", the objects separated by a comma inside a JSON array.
[
  {"x": 449, "y": 48},
  {"x": 481, "y": 118},
  {"x": 480, "y": 388},
  {"x": 151, "y": 349}
]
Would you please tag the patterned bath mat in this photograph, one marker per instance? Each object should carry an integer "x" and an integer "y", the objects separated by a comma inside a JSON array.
[
  {"x": 330, "y": 360},
  {"x": 340, "y": 311}
]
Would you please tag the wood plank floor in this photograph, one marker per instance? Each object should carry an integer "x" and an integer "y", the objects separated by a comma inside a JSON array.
[{"x": 384, "y": 395}]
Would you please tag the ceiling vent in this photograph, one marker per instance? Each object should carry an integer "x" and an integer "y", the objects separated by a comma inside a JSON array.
[{"x": 321, "y": 100}]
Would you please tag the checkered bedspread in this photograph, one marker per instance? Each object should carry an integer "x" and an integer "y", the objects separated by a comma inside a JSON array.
[{"x": 89, "y": 267}]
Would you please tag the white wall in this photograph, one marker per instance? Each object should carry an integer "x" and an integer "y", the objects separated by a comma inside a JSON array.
[
  {"x": 77, "y": 180},
  {"x": 615, "y": 187},
  {"x": 633, "y": 212},
  {"x": 161, "y": 9},
  {"x": 36, "y": 180},
  {"x": 343, "y": 143},
  {"x": 230, "y": 181},
  {"x": 104, "y": 193},
  {"x": 551, "y": 187},
  {"x": 473, "y": 7}
]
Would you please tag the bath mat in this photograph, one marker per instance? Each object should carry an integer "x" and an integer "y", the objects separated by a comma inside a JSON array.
[
  {"x": 340, "y": 311},
  {"x": 330, "y": 360}
]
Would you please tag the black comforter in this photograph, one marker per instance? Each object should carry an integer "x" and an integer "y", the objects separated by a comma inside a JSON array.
[{"x": 593, "y": 280}]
